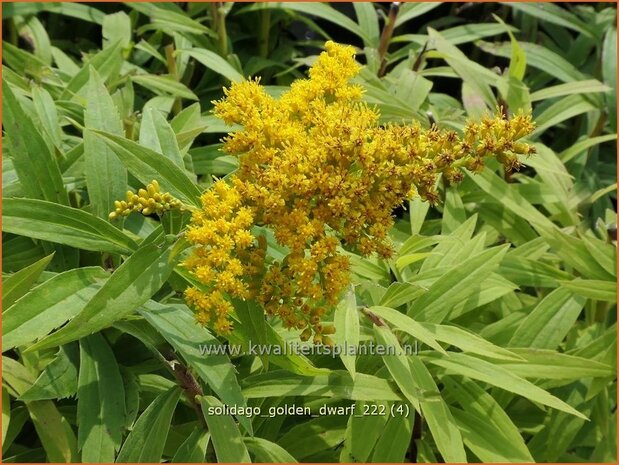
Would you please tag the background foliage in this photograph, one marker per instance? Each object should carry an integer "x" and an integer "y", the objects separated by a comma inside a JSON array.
[{"x": 508, "y": 286}]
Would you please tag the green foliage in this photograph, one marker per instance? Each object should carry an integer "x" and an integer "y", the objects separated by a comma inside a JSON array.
[{"x": 505, "y": 289}]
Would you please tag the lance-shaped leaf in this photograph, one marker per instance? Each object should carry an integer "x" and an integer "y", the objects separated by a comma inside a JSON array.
[
  {"x": 49, "y": 305},
  {"x": 100, "y": 401},
  {"x": 106, "y": 177},
  {"x": 225, "y": 434},
  {"x": 178, "y": 326},
  {"x": 34, "y": 163},
  {"x": 131, "y": 285},
  {"x": 57, "y": 223},
  {"x": 146, "y": 165},
  {"x": 16, "y": 285},
  {"x": 146, "y": 441}
]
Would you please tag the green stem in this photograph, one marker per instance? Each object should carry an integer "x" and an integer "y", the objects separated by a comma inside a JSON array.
[
  {"x": 13, "y": 36},
  {"x": 219, "y": 24},
  {"x": 265, "y": 27},
  {"x": 173, "y": 70}
]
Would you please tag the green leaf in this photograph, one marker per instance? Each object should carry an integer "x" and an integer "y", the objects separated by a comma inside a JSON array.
[
  {"x": 560, "y": 430},
  {"x": 57, "y": 223},
  {"x": 23, "y": 64},
  {"x": 106, "y": 177},
  {"x": 477, "y": 403},
  {"x": 54, "y": 431},
  {"x": 518, "y": 59},
  {"x": 49, "y": 305},
  {"x": 170, "y": 20},
  {"x": 459, "y": 34},
  {"x": 213, "y": 62},
  {"x": 450, "y": 249},
  {"x": 73, "y": 10},
  {"x": 413, "y": 10},
  {"x": 164, "y": 84},
  {"x": 100, "y": 401},
  {"x": 266, "y": 451},
  {"x": 515, "y": 93},
  {"x": 116, "y": 28},
  {"x": 401, "y": 293},
  {"x": 19, "y": 416},
  {"x": 362, "y": 433},
  {"x": 64, "y": 62},
  {"x": 473, "y": 74},
  {"x": 336, "y": 384},
  {"x": 412, "y": 88},
  {"x": 131, "y": 285},
  {"x": 187, "y": 125},
  {"x": 6, "y": 413},
  {"x": 438, "y": 416},
  {"x": 451, "y": 288},
  {"x": 591, "y": 258},
  {"x": 549, "y": 322},
  {"x": 157, "y": 134},
  {"x": 604, "y": 253},
  {"x": 475, "y": 368},
  {"x": 588, "y": 86},
  {"x": 107, "y": 63},
  {"x": 48, "y": 116},
  {"x": 548, "y": 364},
  {"x": 511, "y": 199},
  {"x": 592, "y": 289},
  {"x": 453, "y": 211},
  {"x": 394, "y": 441},
  {"x": 147, "y": 47},
  {"x": 16, "y": 285},
  {"x": 408, "y": 325},
  {"x": 227, "y": 440},
  {"x": 538, "y": 57},
  {"x": 416, "y": 242},
  {"x": 253, "y": 328},
  {"x": 51, "y": 427},
  {"x": 609, "y": 71},
  {"x": 368, "y": 22},
  {"x": 468, "y": 341},
  {"x": 483, "y": 440},
  {"x": 146, "y": 165},
  {"x": 210, "y": 160},
  {"x": 534, "y": 273},
  {"x": 368, "y": 269},
  {"x": 560, "y": 111},
  {"x": 317, "y": 435},
  {"x": 177, "y": 325},
  {"x": 132, "y": 396},
  {"x": 252, "y": 319},
  {"x": 397, "y": 364},
  {"x": 346, "y": 321},
  {"x": 59, "y": 379},
  {"x": 556, "y": 15},
  {"x": 33, "y": 30},
  {"x": 321, "y": 10},
  {"x": 193, "y": 449},
  {"x": 147, "y": 439},
  {"x": 34, "y": 163}
]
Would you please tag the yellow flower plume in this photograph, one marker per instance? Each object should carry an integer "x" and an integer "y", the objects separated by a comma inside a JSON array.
[{"x": 318, "y": 169}]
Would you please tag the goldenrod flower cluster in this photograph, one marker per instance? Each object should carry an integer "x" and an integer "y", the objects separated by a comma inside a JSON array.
[
  {"x": 147, "y": 201},
  {"x": 227, "y": 257},
  {"x": 318, "y": 169}
]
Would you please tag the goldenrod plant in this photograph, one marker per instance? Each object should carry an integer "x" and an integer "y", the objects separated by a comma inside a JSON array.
[{"x": 309, "y": 232}]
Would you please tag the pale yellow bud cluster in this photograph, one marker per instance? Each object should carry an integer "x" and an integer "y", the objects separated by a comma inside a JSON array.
[{"x": 146, "y": 201}]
